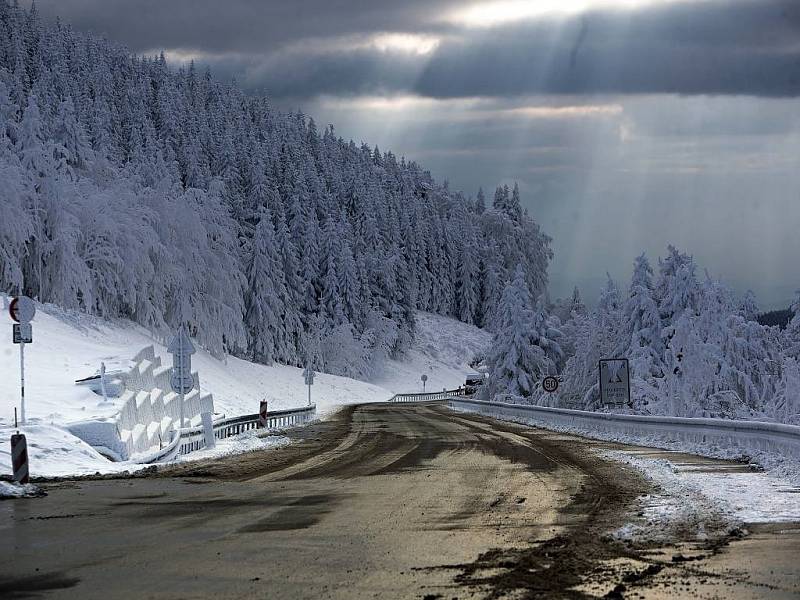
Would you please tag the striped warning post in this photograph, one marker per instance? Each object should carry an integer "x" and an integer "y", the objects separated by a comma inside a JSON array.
[
  {"x": 262, "y": 414},
  {"x": 19, "y": 458}
]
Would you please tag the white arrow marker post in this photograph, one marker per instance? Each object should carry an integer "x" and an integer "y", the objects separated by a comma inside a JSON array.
[
  {"x": 22, "y": 310},
  {"x": 308, "y": 375},
  {"x": 182, "y": 382}
]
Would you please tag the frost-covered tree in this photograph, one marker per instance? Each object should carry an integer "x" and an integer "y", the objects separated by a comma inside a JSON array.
[
  {"x": 641, "y": 342},
  {"x": 265, "y": 288},
  {"x": 697, "y": 353},
  {"x": 132, "y": 181},
  {"x": 467, "y": 278},
  {"x": 791, "y": 336},
  {"x": 595, "y": 336},
  {"x": 525, "y": 348}
]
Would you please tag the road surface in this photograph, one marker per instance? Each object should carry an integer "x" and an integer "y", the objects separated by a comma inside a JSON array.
[{"x": 381, "y": 501}]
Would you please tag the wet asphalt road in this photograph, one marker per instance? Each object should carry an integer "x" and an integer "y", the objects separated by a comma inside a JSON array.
[{"x": 381, "y": 501}]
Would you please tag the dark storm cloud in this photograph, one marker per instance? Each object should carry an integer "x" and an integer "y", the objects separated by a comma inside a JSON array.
[
  {"x": 749, "y": 47},
  {"x": 242, "y": 26}
]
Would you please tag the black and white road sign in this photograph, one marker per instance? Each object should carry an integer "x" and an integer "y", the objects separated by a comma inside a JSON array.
[
  {"x": 550, "y": 384},
  {"x": 615, "y": 382},
  {"x": 22, "y": 333},
  {"x": 22, "y": 309}
]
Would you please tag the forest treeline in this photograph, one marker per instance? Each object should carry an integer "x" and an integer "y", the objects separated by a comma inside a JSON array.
[{"x": 137, "y": 190}]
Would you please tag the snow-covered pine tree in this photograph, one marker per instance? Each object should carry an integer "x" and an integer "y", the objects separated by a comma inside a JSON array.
[
  {"x": 524, "y": 349},
  {"x": 466, "y": 277},
  {"x": 266, "y": 288},
  {"x": 641, "y": 342},
  {"x": 171, "y": 151},
  {"x": 791, "y": 335}
]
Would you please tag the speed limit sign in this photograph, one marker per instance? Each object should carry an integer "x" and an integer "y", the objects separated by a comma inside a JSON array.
[{"x": 550, "y": 384}]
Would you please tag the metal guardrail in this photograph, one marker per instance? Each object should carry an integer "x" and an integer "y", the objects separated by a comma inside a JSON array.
[
  {"x": 190, "y": 439},
  {"x": 427, "y": 397},
  {"x": 742, "y": 436}
]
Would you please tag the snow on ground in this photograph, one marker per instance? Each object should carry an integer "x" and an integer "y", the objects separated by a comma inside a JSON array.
[
  {"x": 442, "y": 349},
  {"x": 699, "y": 496},
  {"x": 701, "y": 499},
  {"x": 14, "y": 490},
  {"x": 248, "y": 441},
  {"x": 69, "y": 346}
]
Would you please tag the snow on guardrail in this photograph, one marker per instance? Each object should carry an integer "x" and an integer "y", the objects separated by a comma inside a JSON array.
[
  {"x": 718, "y": 436},
  {"x": 427, "y": 397},
  {"x": 188, "y": 440}
]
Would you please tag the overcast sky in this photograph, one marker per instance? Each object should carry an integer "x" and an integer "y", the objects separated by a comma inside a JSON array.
[{"x": 629, "y": 124}]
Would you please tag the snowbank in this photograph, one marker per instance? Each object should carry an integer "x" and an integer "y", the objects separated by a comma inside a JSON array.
[
  {"x": 703, "y": 499},
  {"x": 14, "y": 490},
  {"x": 249, "y": 441},
  {"x": 69, "y": 346}
]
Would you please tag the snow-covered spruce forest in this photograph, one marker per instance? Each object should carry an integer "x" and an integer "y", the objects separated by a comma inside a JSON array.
[
  {"x": 695, "y": 348},
  {"x": 136, "y": 190}
]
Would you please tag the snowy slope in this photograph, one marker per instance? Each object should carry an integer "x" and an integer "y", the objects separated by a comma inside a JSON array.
[
  {"x": 68, "y": 346},
  {"x": 441, "y": 351}
]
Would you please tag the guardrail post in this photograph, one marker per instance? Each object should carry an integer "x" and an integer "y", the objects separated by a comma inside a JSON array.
[
  {"x": 263, "y": 420},
  {"x": 19, "y": 458}
]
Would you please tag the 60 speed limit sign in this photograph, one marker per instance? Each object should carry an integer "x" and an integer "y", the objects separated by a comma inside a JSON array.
[{"x": 550, "y": 384}]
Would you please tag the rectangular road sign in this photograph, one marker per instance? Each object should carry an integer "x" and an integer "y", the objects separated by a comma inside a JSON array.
[
  {"x": 615, "y": 381},
  {"x": 23, "y": 332}
]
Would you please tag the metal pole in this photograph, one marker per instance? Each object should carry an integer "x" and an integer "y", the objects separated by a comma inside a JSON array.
[
  {"x": 22, "y": 381},
  {"x": 309, "y": 395},
  {"x": 103, "y": 381},
  {"x": 180, "y": 363},
  {"x": 182, "y": 423}
]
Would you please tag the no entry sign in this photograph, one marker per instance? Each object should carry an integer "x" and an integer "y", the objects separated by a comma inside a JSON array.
[{"x": 22, "y": 309}]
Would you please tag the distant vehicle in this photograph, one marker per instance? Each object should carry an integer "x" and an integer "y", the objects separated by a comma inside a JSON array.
[{"x": 473, "y": 382}]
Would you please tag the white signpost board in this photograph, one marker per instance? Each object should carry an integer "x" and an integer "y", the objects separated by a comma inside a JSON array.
[
  {"x": 182, "y": 382},
  {"x": 615, "y": 382},
  {"x": 308, "y": 376},
  {"x": 22, "y": 310}
]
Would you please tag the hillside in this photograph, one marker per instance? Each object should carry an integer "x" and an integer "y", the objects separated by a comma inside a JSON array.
[
  {"x": 135, "y": 190},
  {"x": 69, "y": 346}
]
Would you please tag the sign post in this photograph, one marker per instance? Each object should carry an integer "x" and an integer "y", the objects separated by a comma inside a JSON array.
[
  {"x": 615, "y": 382},
  {"x": 182, "y": 382},
  {"x": 22, "y": 310},
  {"x": 103, "y": 381},
  {"x": 308, "y": 375},
  {"x": 424, "y": 379}
]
